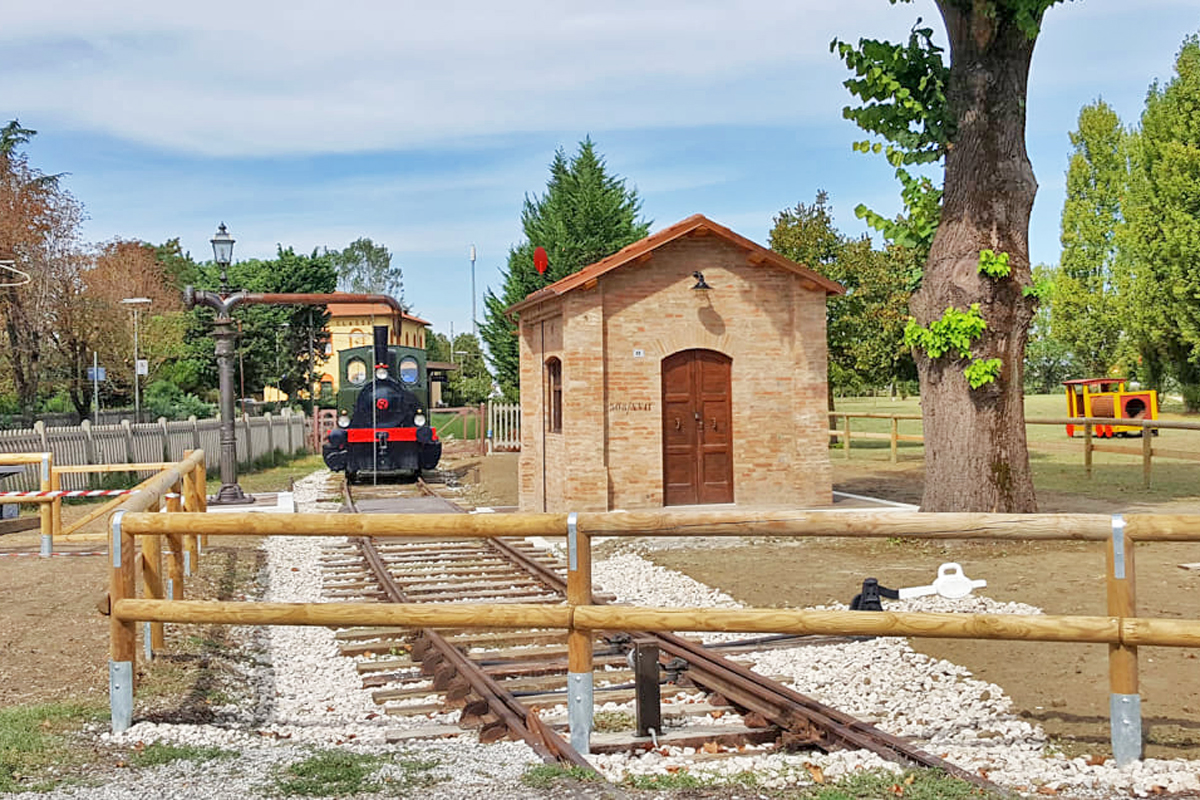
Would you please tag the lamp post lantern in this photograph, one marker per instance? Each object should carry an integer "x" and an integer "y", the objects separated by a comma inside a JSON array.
[
  {"x": 136, "y": 303},
  {"x": 225, "y": 333}
]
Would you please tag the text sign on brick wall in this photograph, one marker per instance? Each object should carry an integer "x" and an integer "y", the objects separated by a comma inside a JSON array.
[{"x": 625, "y": 408}]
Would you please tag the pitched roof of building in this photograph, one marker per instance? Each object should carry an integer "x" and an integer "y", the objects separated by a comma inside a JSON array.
[
  {"x": 697, "y": 223},
  {"x": 338, "y": 310}
]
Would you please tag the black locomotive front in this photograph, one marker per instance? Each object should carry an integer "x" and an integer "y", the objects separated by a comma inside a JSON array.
[{"x": 388, "y": 433}]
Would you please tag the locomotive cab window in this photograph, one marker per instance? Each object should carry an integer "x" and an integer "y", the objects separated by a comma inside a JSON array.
[
  {"x": 554, "y": 395},
  {"x": 356, "y": 371},
  {"x": 409, "y": 372}
]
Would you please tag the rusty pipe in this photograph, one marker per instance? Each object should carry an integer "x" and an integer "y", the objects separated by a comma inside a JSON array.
[{"x": 223, "y": 305}]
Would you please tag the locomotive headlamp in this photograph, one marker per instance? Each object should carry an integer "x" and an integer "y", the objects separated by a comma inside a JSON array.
[
  {"x": 381, "y": 372},
  {"x": 343, "y": 421},
  {"x": 419, "y": 419}
]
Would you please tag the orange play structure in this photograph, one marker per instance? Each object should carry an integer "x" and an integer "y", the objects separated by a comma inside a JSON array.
[{"x": 1107, "y": 397}]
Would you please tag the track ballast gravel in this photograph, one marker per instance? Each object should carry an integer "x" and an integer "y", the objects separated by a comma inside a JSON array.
[{"x": 300, "y": 696}]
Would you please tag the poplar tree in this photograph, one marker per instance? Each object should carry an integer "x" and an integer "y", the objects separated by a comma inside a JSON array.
[
  {"x": 1083, "y": 308},
  {"x": 584, "y": 216},
  {"x": 1160, "y": 241}
]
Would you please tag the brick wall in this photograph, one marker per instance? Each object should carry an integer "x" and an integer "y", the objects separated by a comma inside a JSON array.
[{"x": 613, "y": 340}]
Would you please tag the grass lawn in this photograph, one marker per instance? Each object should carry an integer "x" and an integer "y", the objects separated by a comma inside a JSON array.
[{"x": 1057, "y": 460}]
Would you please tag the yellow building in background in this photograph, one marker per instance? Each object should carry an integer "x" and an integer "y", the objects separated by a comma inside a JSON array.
[{"x": 350, "y": 325}]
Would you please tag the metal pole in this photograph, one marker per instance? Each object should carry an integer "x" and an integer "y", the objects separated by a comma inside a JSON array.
[
  {"x": 96, "y": 384},
  {"x": 230, "y": 493},
  {"x": 137, "y": 403},
  {"x": 474, "y": 323}
]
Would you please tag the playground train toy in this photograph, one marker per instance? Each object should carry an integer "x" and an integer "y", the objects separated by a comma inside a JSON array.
[
  {"x": 1108, "y": 398},
  {"x": 383, "y": 426}
]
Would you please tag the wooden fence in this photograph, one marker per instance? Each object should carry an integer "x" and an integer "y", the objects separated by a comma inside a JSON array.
[
  {"x": 1146, "y": 449},
  {"x": 465, "y": 424},
  {"x": 151, "y": 442},
  {"x": 504, "y": 427},
  {"x": 1122, "y": 630}
]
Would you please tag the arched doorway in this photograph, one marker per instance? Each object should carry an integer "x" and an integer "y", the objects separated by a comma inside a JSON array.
[{"x": 697, "y": 431}]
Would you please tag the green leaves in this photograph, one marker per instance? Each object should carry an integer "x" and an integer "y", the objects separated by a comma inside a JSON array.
[
  {"x": 993, "y": 264},
  {"x": 953, "y": 334},
  {"x": 902, "y": 88}
]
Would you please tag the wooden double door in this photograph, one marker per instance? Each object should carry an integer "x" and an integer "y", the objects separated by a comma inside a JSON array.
[{"x": 697, "y": 430}]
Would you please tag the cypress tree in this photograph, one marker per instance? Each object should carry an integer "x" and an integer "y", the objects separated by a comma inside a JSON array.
[{"x": 584, "y": 216}]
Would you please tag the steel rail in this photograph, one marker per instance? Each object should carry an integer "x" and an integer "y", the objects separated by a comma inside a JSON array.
[
  {"x": 802, "y": 720},
  {"x": 519, "y": 719},
  {"x": 801, "y": 716}
]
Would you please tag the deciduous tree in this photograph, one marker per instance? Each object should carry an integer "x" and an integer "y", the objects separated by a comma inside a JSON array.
[
  {"x": 366, "y": 267},
  {"x": 866, "y": 325},
  {"x": 971, "y": 115},
  {"x": 1159, "y": 266},
  {"x": 1084, "y": 314},
  {"x": 39, "y": 227},
  {"x": 89, "y": 317},
  {"x": 584, "y": 216}
]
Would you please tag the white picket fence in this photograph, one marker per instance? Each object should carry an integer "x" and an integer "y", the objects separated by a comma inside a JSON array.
[
  {"x": 503, "y": 427},
  {"x": 150, "y": 441}
]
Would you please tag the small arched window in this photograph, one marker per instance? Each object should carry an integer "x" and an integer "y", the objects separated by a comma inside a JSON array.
[
  {"x": 553, "y": 395},
  {"x": 357, "y": 338}
]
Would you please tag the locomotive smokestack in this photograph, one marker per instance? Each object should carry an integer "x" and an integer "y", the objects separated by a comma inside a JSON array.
[{"x": 381, "y": 344}]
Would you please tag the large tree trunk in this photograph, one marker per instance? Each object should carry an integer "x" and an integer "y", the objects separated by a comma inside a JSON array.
[{"x": 975, "y": 450}]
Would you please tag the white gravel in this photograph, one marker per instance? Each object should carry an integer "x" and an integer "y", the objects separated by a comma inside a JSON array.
[{"x": 299, "y": 694}]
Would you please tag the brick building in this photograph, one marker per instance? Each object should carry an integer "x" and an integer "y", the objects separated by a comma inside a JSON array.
[{"x": 644, "y": 385}]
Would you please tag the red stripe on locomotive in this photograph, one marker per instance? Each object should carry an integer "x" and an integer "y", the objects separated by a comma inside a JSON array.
[{"x": 361, "y": 435}]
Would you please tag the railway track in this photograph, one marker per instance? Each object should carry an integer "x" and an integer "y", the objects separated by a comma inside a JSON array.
[{"x": 512, "y": 684}]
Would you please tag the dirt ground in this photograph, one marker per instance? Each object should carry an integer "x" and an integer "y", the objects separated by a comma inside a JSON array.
[{"x": 54, "y": 643}]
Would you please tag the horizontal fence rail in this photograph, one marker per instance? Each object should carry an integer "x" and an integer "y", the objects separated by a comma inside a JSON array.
[
  {"x": 1147, "y": 450},
  {"x": 1121, "y": 629}
]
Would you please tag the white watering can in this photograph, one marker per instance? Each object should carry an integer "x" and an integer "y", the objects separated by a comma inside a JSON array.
[{"x": 950, "y": 583}]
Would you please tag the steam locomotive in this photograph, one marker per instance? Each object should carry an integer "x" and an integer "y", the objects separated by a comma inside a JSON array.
[{"x": 382, "y": 426}]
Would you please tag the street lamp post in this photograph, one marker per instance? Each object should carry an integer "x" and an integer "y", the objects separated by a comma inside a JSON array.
[
  {"x": 225, "y": 334},
  {"x": 136, "y": 303}
]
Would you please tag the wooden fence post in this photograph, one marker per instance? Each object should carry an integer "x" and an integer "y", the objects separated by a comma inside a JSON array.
[
  {"x": 481, "y": 428},
  {"x": 56, "y": 506},
  {"x": 152, "y": 585},
  {"x": 580, "y": 686},
  {"x": 1087, "y": 450},
  {"x": 129, "y": 459},
  {"x": 122, "y": 634},
  {"x": 1124, "y": 703},
  {"x": 1147, "y": 452},
  {"x": 895, "y": 439},
  {"x": 271, "y": 437},
  {"x": 46, "y": 510},
  {"x": 186, "y": 500},
  {"x": 166, "y": 438},
  {"x": 846, "y": 445},
  {"x": 195, "y": 431},
  {"x": 89, "y": 442}
]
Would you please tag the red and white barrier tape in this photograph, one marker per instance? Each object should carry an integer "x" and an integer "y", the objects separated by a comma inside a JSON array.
[
  {"x": 75, "y": 493},
  {"x": 39, "y": 555}
]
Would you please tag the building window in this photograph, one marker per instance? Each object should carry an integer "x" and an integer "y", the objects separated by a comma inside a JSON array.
[
  {"x": 554, "y": 395},
  {"x": 357, "y": 338}
]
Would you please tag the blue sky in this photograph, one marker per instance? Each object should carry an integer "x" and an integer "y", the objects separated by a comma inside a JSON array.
[{"x": 423, "y": 126}]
